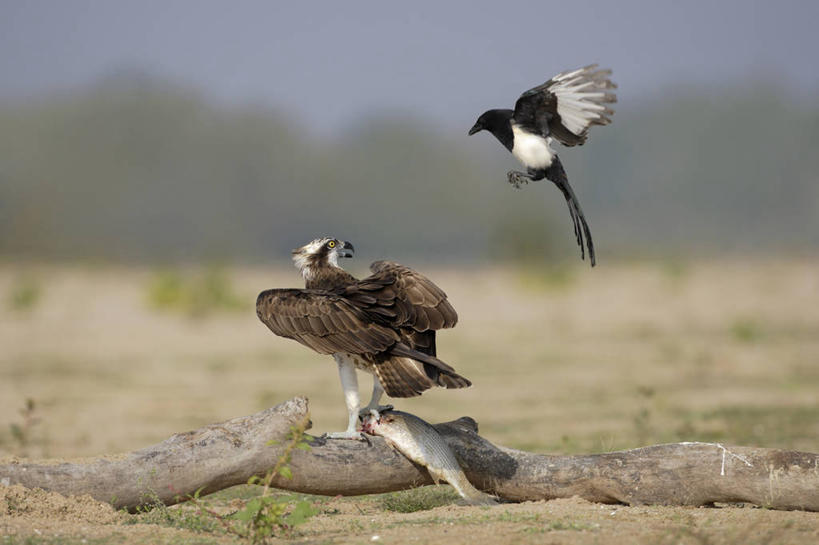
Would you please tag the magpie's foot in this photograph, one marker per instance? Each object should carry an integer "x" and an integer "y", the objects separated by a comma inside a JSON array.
[
  {"x": 347, "y": 434},
  {"x": 517, "y": 179},
  {"x": 378, "y": 409}
]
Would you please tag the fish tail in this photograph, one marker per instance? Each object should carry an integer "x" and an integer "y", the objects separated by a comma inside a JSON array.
[
  {"x": 473, "y": 496},
  {"x": 469, "y": 493}
]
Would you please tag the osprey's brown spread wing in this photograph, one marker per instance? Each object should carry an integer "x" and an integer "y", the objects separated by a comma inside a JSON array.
[
  {"x": 388, "y": 318},
  {"x": 326, "y": 322},
  {"x": 567, "y": 105},
  {"x": 406, "y": 298},
  {"x": 368, "y": 316}
]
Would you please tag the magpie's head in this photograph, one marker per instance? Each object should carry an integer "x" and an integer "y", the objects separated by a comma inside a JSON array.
[
  {"x": 491, "y": 119},
  {"x": 479, "y": 125},
  {"x": 322, "y": 252}
]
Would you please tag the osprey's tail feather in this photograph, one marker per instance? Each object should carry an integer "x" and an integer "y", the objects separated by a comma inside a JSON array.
[{"x": 406, "y": 372}]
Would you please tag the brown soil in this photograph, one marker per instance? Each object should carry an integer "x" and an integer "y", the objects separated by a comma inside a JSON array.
[
  {"x": 36, "y": 514},
  {"x": 26, "y": 503}
]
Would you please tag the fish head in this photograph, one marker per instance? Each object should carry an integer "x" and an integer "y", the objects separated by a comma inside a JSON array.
[{"x": 375, "y": 422}]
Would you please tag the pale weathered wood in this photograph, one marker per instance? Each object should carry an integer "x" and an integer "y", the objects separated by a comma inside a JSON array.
[
  {"x": 213, "y": 458},
  {"x": 222, "y": 455}
]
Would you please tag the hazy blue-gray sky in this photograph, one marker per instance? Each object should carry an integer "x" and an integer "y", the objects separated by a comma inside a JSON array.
[{"x": 328, "y": 62}]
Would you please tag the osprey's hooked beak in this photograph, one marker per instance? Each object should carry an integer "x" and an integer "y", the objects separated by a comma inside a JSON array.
[
  {"x": 346, "y": 249},
  {"x": 477, "y": 127}
]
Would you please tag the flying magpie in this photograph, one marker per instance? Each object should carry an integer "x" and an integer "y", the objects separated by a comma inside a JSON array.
[{"x": 561, "y": 109}]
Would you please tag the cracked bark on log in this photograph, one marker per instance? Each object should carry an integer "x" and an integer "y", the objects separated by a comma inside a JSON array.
[{"x": 229, "y": 453}]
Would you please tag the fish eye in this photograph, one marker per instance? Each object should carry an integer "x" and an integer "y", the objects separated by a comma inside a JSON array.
[{"x": 331, "y": 244}]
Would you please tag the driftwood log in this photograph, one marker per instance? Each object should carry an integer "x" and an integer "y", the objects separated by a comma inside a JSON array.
[{"x": 229, "y": 453}]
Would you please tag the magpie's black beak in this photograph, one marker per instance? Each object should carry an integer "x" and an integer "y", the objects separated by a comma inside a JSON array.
[
  {"x": 346, "y": 249},
  {"x": 477, "y": 127}
]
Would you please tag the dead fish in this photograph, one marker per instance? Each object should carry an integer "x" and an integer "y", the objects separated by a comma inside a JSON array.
[{"x": 421, "y": 443}]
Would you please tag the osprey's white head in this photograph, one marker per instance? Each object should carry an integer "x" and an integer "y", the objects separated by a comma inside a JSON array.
[{"x": 321, "y": 252}]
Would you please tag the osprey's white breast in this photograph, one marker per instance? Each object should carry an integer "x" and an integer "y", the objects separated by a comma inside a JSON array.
[{"x": 530, "y": 149}]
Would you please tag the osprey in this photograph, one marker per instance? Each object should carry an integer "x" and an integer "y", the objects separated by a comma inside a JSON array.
[
  {"x": 561, "y": 109},
  {"x": 384, "y": 324}
]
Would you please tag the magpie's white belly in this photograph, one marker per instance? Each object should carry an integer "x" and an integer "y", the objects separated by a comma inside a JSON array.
[{"x": 530, "y": 149}]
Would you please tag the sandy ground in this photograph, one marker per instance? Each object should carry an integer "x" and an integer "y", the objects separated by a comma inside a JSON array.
[
  {"x": 50, "y": 518},
  {"x": 563, "y": 360}
]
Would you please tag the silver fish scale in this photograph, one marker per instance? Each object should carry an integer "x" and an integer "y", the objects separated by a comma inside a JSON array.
[{"x": 421, "y": 443}]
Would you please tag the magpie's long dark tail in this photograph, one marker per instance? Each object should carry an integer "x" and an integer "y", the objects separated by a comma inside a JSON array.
[{"x": 557, "y": 175}]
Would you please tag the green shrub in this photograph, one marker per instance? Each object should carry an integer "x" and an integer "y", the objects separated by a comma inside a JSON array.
[{"x": 194, "y": 295}]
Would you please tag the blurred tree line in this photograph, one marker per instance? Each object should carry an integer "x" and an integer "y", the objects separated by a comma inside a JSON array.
[{"x": 137, "y": 169}]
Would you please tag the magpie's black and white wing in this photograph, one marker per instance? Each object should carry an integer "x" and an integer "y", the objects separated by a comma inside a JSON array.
[{"x": 566, "y": 106}]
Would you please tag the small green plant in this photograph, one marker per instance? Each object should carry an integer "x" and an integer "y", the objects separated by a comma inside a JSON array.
[
  {"x": 167, "y": 291},
  {"x": 746, "y": 330},
  {"x": 217, "y": 291},
  {"x": 51, "y": 540},
  {"x": 24, "y": 294},
  {"x": 194, "y": 295},
  {"x": 507, "y": 516},
  {"x": 560, "y": 525},
  {"x": 13, "y": 506},
  {"x": 557, "y": 525},
  {"x": 779, "y": 426},
  {"x": 266, "y": 515},
  {"x": 642, "y": 418},
  {"x": 676, "y": 272},
  {"x": 418, "y": 499},
  {"x": 21, "y": 432},
  {"x": 156, "y": 512},
  {"x": 540, "y": 277}
]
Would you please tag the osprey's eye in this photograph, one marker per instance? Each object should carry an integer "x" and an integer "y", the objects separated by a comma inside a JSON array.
[{"x": 331, "y": 244}]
